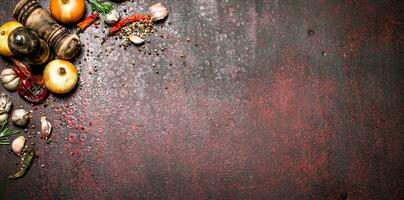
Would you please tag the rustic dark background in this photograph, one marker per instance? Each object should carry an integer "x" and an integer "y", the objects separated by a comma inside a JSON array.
[{"x": 275, "y": 99}]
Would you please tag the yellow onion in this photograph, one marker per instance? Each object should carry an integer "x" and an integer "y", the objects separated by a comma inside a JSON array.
[
  {"x": 5, "y": 31},
  {"x": 67, "y": 11},
  {"x": 60, "y": 76}
]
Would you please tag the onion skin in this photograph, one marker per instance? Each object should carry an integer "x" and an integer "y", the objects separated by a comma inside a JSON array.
[
  {"x": 67, "y": 11},
  {"x": 60, "y": 76},
  {"x": 5, "y": 31}
]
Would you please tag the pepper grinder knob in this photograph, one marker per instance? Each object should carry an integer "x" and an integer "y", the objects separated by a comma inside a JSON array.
[
  {"x": 25, "y": 44},
  {"x": 19, "y": 40}
]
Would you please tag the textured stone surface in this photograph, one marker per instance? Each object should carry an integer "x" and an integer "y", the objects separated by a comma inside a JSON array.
[{"x": 278, "y": 100}]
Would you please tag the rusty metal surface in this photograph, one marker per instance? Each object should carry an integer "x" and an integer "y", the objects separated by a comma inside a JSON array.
[{"x": 277, "y": 100}]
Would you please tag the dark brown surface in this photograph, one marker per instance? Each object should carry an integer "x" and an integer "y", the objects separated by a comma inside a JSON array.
[{"x": 270, "y": 100}]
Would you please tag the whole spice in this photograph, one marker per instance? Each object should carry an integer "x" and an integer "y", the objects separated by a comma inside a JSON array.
[
  {"x": 46, "y": 128},
  {"x": 124, "y": 21},
  {"x": 87, "y": 22},
  {"x": 20, "y": 117},
  {"x": 24, "y": 69},
  {"x": 112, "y": 17},
  {"x": 18, "y": 144},
  {"x": 30, "y": 91},
  {"x": 25, "y": 166},
  {"x": 9, "y": 79},
  {"x": 158, "y": 12}
]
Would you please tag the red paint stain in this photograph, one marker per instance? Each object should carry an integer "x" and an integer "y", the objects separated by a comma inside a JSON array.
[
  {"x": 71, "y": 121},
  {"x": 135, "y": 126},
  {"x": 71, "y": 138}
]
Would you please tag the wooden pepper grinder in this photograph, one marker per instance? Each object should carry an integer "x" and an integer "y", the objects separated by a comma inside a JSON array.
[
  {"x": 26, "y": 44},
  {"x": 30, "y": 13}
]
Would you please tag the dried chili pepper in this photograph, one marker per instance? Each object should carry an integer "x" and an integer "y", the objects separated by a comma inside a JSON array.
[
  {"x": 25, "y": 166},
  {"x": 124, "y": 21},
  {"x": 30, "y": 91},
  {"x": 87, "y": 22},
  {"x": 24, "y": 69}
]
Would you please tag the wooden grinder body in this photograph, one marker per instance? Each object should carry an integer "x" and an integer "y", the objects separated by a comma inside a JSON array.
[{"x": 30, "y": 13}]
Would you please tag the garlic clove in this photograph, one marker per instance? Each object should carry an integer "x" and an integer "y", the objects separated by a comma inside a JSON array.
[
  {"x": 5, "y": 103},
  {"x": 46, "y": 128},
  {"x": 7, "y": 75},
  {"x": 136, "y": 39},
  {"x": 9, "y": 79},
  {"x": 112, "y": 17},
  {"x": 20, "y": 117},
  {"x": 158, "y": 12},
  {"x": 12, "y": 85},
  {"x": 3, "y": 117},
  {"x": 18, "y": 144}
]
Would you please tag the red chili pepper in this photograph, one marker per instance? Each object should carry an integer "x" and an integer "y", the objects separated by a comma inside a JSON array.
[
  {"x": 24, "y": 69},
  {"x": 124, "y": 21},
  {"x": 87, "y": 22},
  {"x": 30, "y": 91}
]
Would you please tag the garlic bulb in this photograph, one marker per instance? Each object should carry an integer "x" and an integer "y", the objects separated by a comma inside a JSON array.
[
  {"x": 20, "y": 117},
  {"x": 18, "y": 144},
  {"x": 46, "y": 128},
  {"x": 112, "y": 17},
  {"x": 9, "y": 79},
  {"x": 5, "y": 103},
  {"x": 158, "y": 12},
  {"x": 136, "y": 39}
]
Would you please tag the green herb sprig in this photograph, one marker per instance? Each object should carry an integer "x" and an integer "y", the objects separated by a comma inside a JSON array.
[
  {"x": 102, "y": 8},
  {"x": 5, "y": 132}
]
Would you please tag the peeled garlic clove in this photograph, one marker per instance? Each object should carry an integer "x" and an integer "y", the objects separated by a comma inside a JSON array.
[
  {"x": 5, "y": 103},
  {"x": 136, "y": 39},
  {"x": 158, "y": 12},
  {"x": 46, "y": 128},
  {"x": 20, "y": 117},
  {"x": 9, "y": 79},
  {"x": 18, "y": 144}
]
